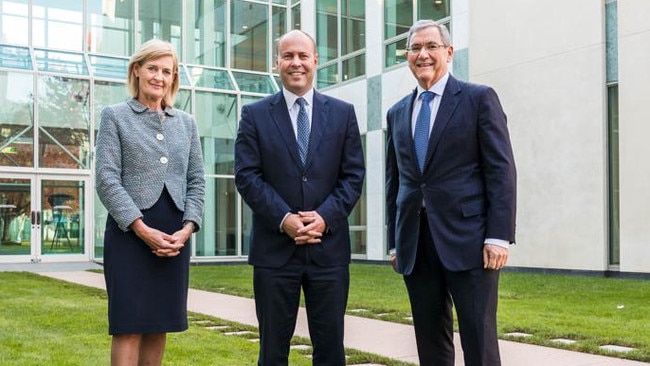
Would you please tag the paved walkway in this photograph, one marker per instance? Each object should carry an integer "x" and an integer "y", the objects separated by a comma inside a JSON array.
[{"x": 388, "y": 339}]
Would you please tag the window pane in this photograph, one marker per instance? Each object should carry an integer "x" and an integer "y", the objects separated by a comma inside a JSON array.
[
  {"x": 15, "y": 57},
  {"x": 279, "y": 23},
  {"x": 111, "y": 27},
  {"x": 61, "y": 62},
  {"x": 254, "y": 83},
  {"x": 353, "y": 25},
  {"x": 161, "y": 20},
  {"x": 211, "y": 78},
  {"x": 295, "y": 16},
  {"x": 398, "y": 17},
  {"x": 358, "y": 241},
  {"x": 328, "y": 76},
  {"x": 184, "y": 79},
  {"x": 208, "y": 46},
  {"x": 433, "y": 9},
  {"x": 184, "y": 100},
  {"x": 249, "y": 35},
  {"x": 353, "y": 67},
  {"x": 395, "y": 52},
  {"x": 58, "y": 24},
  {"x": 326, "y": 30},
  {"x": 12, "y": 18},
  {"x": 216, "y": 116},
  {"x": 64, "y": 122},
  {"x": 109, "y": 67},
  {"x": 16, "y": 119},
  {"x": 218, "y": 234}
]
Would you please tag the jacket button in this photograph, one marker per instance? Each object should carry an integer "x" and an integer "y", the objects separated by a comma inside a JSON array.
[
  {"x": 160, "y": 137},
  {"x": 304, "y": 179},
  {"x": 163, "y": 160}
]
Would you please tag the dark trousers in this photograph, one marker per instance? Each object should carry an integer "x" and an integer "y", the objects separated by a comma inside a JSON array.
[
  {"x": 432, "y": 290},
  {"x": 277, "y": 298}
]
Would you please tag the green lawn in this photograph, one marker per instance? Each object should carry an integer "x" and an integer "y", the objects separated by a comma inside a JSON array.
[
  {"x": 51, "y": 322},
  {"x": 591, "y": 310}
]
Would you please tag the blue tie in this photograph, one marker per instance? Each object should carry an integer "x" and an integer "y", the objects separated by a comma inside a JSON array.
[
  {"x": 303, "y": 130},
  {"x": 421, "y": 135}
]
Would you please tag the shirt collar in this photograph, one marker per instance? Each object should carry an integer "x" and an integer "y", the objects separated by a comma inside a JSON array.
[
  {"x": 290, "y": 97},
  {"x": 139, "y": 107},
  {"x": 438, "y": 88}
]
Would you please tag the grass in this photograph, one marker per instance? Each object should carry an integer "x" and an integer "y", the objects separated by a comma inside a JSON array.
[
  {"x": 593, "y": 311},
  {"x": 51, "y": 322}
]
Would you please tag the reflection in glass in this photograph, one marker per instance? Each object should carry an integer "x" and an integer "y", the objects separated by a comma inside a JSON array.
[
  {"x": 327, "y": 76},
  {"x": 327, "y": 30},
  {"x": 184, "y": 100},
  {"x": 278, "y": 23},
  {"x": 211, "y": 78},
  {"x": 433, "y": 9},
  {"x": 15, "y": 216},
  {"x": 64, "y": 122},
  {"x": 295, "y": 17},
  {"x": 16, "y": 119},
  {"x": 353, "y": 25},
  {"x": 395, "y": 52},
  {"x": 398, "y": 17},
  {"x": 182, "y": 76},
  {"x": 15, "y": 57},
  {"x": 218, "y": 234},
  {"x": 62, "y": 62},
  {"x": 14, "y": 17},
  {"x": 216, "y": 116},
  {"x": 62, "y": 210},
  {"x": 354, "y": 67},
  {"x": 111, "y": 27},
  {"x": 209, "y": 44},
  {"x": 52, "y": 19},
  {"x": 254, "y": 83},
  {"x": 109, "y": 67},
  {"x": 162, "y": 20},
  {"x": 248, "y": 35}
]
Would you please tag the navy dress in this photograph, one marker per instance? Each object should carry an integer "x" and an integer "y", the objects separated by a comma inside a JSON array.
[{"x": 146, "y": 293}]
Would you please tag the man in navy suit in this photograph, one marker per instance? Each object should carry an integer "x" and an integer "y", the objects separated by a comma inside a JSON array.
[
  {"x": 451, "y": 197},
  {"x": 299, "y": 165}
]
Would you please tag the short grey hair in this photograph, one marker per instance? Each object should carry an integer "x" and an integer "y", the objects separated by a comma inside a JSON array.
[{"x": 423, "y": 24}]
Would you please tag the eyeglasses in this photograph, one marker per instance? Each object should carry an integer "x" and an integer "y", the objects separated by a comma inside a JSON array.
[{"x": 429, "y": 47}]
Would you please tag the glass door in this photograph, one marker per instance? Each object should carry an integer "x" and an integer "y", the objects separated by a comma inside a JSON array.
[
  {"x": 43, "y": 218},
  {"x": 17, "y": 215}
]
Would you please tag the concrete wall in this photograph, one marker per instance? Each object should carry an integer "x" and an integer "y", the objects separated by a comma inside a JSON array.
[{"x": 546, "y": 61}]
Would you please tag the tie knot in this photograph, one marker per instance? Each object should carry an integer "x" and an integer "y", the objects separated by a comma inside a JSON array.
[
  {"x": 427, "y": 96},
  {"x": 301, "y": 102}
]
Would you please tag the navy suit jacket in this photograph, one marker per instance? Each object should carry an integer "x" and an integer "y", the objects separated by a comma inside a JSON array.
[
  {"x": 273, "y": 182},
  {"x": 468, "y": 185}
]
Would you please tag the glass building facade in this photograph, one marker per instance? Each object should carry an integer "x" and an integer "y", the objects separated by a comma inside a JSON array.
[{"x": 62, "y": 61}]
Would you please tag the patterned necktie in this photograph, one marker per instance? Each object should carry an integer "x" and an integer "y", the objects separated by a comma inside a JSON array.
[
  {"x": 303, "y": 130},
  {"x": 421, "y": 135}
]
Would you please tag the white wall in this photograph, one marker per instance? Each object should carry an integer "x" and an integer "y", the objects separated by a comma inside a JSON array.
[
  {"x": 546, "y": 61},
  {"x": 634, "y": 99}
]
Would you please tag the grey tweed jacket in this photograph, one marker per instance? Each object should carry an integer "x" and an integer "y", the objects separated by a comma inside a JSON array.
[{"x": 139, "y": 152}]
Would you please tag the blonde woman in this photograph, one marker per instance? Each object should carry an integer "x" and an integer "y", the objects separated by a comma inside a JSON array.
[{"x": 149, "y": 176}]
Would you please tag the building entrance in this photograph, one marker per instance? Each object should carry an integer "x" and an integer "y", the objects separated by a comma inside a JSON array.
[{"x": 43, "y": 218}]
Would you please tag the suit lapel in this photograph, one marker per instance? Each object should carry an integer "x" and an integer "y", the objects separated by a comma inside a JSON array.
[
  {"x": 319, "y": 118},
  {"x": 448, "y": 104},
  {"x": 404, "y": 131},
  {"x": 280, "y": 116}
]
